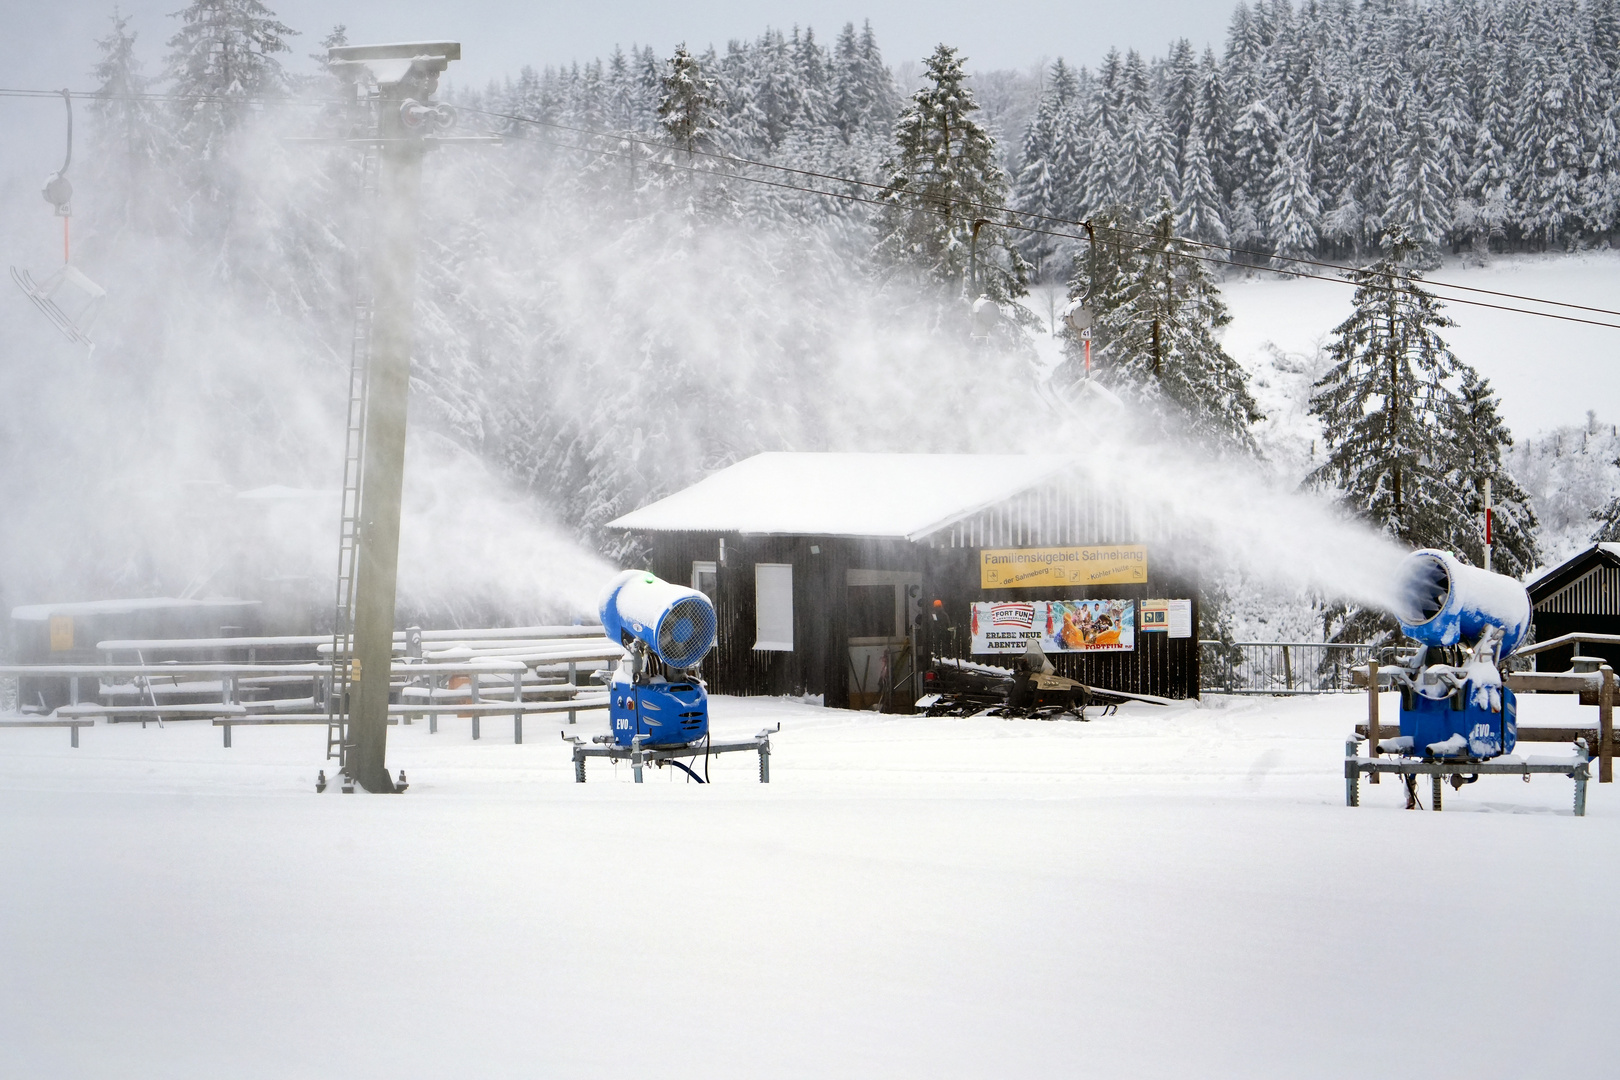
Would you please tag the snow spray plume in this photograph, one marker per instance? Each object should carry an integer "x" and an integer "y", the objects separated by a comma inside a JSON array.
[
  {"x": 198, "y": 449},
  {"x": 657, "y": 343},
  {"x": 1227, "y": 513},
  {"x": 588, "y": 337}
]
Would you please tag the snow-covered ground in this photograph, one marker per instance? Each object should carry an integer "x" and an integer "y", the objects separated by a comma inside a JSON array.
[
  {"x": 1170, "y": 892},
  {"x": 1547, "y": 372}
]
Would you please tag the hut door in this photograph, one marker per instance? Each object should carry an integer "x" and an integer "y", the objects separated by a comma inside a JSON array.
[{"x": 881, "y": 646}]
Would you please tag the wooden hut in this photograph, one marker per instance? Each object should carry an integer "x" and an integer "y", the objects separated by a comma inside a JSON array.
[
  {"x": 842, "y": 575},
  {"x": 1581, "y": 596}
]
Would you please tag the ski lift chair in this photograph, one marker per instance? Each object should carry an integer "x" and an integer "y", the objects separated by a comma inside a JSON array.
[{"x": 80, "y": 298}]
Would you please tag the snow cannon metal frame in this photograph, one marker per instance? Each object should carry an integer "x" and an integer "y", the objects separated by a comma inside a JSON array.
[
  {"x": 656, "y": 697},
  {"x": 1467, "y": 621}
]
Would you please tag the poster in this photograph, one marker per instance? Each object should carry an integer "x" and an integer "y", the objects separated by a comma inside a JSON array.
[
  {"x": 1173, "y": 617},
  {"x": 1181, "y": 618},
  {"x": 1043, "y": 568},
  {"x": 1059, "y": 625}
]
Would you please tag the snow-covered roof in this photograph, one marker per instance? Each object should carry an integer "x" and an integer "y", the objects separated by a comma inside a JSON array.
[
  {"x": 1545, "y": 574},
  {"x": 879, "y": 495}
]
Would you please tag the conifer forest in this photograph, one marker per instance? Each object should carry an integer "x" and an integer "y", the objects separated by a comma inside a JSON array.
[{"x": 798, "y": 231}]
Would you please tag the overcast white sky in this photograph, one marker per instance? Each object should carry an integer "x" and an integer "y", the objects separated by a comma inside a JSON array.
[{"x": 499, "y": 36}]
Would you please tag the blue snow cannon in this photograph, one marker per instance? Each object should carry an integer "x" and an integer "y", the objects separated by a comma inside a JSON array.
[
  {"x": 668, "y": 630},
  {"x": 1458, "y": 710}
]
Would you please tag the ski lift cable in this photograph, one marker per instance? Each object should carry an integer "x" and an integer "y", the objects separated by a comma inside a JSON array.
[
  {"x": 969, "y": 204},
  {"x": 1215, "y": 260},
  {"x": 934, "y": 201},
  {"x": 813, "y": 174},
  {"x": 96, "y": 95},
  {"x": 1212, "y": 259}
]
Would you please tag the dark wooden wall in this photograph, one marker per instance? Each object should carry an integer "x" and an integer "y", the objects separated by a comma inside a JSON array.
[
  {"x": 819, "y": 662},
  {"x": 1580, "y": 597},
  {"x": 1158, "y": 665},
  {"x": 819, "y": 659},
  {"x": 1064, "y": 512}
]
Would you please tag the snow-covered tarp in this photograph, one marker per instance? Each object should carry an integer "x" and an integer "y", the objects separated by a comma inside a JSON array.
[{"x": 879, "y": 495}]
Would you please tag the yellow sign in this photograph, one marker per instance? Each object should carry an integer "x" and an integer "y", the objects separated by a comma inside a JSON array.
[
  {"x": 61, "y": 633},
  {"x": 1040, "y": 568}
]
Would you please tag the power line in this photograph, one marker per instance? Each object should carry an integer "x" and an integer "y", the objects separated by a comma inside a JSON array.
[
  {"x": 935, "y": 202},
  {"x": 1214, "y": 260},
  {"x": 994, "y": 208},
  {"x": 93, "y": 95}
]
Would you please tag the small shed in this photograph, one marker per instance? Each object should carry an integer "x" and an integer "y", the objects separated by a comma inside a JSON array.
[
  {"x": 845, "y": 574},
  {"x": 1581, "y": 596}
]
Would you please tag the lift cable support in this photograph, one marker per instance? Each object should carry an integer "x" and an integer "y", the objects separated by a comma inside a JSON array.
[
  {"x": 68, "y": 286},
  {"x": 398, "y": 81},
  {"x": 354, "y": 441}
]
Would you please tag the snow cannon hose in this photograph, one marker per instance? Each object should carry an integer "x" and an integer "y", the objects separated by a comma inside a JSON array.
[{"x": 1441, "y": 601}]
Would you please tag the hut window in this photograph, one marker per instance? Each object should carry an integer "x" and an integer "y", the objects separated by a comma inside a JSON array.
[
  {"x": 773, "y": 607},
  {"x": 704, "y": 578}
]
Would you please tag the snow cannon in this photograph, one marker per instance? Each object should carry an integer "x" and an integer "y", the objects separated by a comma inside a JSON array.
[
  {"x": 656, "y": 694},
  {"x": 1454, "y": 703},
  {"x": 1443, "y": 602}
]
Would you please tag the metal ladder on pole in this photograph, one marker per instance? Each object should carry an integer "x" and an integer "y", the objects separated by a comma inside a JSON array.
[{"x": 341, "y": 678}]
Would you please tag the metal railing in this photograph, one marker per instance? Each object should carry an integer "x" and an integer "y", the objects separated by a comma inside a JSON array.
[{"x": 1280, "y": 667}]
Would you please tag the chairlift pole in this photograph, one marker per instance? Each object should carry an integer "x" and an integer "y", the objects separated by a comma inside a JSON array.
[{"x": 407, "y": 76}]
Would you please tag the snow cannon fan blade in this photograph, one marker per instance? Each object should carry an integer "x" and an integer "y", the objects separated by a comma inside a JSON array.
[
  {"x": 1442, "y": 601},
  {"x": 676, "y": 623}
]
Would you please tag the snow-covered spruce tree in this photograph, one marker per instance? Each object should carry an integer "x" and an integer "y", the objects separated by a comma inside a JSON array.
[
  {"x": 1256, "y": 137},
  {"x": 1095, "y": 187},
  {"x": 1390, "y": 417},
  {"x": 1042, "y": 188},
  {"x": 1387, "y": 412},
  {"x": 222, "y": 59},
  {"x": 1481, "y": 442},
  {"x": 851, "y": 104},
  {"x": 1180, "y": 94},
  {"x": 1157, "y": 312},
  {"x": 686, "y": 107},
  {"x": 1292, "y": 208},
  {"x": 944, "y": 178},
  {"x": 1420, "y": 189},
  {"x": 1608, "y": 522},
  {"x": 1199, "y": 212},
  {"x": 690, "y": 115},
  {"x": 129, "y": 132},
  {"x": 1144, "y": 166},
  {"x": 1549, "y": 130}
]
